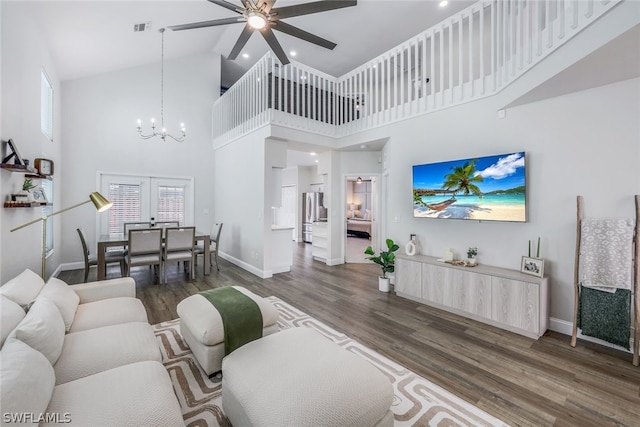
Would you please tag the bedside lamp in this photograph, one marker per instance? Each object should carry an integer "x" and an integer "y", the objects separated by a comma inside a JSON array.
[{"x": 98, "y": 200}]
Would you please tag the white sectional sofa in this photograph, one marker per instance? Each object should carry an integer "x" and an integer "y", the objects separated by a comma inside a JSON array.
[{"x": 82, "y": 355}]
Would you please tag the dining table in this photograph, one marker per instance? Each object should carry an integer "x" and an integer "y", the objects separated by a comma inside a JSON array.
[{"x": 114, "y": 240}]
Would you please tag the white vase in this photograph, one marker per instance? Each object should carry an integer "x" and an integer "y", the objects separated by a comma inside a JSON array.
[{"x": 383, "y": 284}]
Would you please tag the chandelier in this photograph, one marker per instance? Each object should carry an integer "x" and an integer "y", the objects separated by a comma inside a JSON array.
[{"x": 163, "y": 131}]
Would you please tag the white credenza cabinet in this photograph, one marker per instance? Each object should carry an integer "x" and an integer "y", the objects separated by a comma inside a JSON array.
[{"x": 497, "y": 296}]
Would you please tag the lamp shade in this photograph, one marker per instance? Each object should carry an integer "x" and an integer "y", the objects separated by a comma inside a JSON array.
[{"x": 100, "y": 202}]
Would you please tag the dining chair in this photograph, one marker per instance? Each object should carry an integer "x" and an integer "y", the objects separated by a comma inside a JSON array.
[
  {"x": 214, "y": 240},
  {"x": 144, "y": 248},
  {"x": 111, "y": 257},
  {"x": 166, "y": 224},
  {"x": 179, "y": 247},
  {"x": 135, "y": 225}
]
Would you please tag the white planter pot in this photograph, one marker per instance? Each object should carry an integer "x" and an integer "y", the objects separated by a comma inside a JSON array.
[
  {"x": 471, "y": 261},
  {"x": 383, "y": 284}
]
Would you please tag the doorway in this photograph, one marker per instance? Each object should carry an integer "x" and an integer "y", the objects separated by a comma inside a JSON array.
[{"x": 362, "y": 213}]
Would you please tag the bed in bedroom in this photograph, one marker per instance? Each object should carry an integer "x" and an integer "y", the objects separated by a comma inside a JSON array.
[{"x": 359, "y": 227}]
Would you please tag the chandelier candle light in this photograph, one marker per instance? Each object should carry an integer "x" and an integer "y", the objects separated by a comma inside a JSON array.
[{"x": 163, "y": 131}]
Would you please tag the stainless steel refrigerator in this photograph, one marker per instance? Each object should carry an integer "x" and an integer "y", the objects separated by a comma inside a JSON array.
[{"x": 312, "y": 210}]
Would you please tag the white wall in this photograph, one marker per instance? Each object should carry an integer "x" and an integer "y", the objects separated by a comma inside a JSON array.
[
  {"x": 240, "y": 200},
  {"x": 99, "y": 129},
  {"x": 24, "y": 55},
  {"x": 584, "y": 143}
]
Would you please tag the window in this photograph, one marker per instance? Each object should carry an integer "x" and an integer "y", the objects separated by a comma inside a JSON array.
[
  {"x": 46, "y": 106},
  {"x": 47, "y": 187}
]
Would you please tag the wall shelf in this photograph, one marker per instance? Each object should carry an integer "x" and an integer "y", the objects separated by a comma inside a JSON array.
[
  {"x": 18, "y": 168},
  {"x": 12, "y": 205}
]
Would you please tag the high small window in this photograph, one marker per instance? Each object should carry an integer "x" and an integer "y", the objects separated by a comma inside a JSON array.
[{"x": 46, "y": 106}]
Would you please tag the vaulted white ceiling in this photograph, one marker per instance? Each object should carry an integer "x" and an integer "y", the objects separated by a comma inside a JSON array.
[{"x": 92, "y": 37}]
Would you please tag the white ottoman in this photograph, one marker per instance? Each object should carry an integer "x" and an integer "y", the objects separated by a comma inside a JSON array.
[
  {"x": 202, "y": 328},
  {"x": 299, "y": 378}
]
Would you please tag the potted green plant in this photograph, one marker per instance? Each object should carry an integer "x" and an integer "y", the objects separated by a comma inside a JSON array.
[
  {"x": 386, "y": 261},
  {"x": 471, "y": 255},
  {"x": 27, "y": 186}
]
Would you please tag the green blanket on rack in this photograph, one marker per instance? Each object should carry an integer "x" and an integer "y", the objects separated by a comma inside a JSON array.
[
  {"x": 605, "y": 315},
  {"x": 241, "y": 316}
]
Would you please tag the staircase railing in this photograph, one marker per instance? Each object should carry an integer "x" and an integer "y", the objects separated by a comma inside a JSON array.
[{"x": 471, "y": 55}]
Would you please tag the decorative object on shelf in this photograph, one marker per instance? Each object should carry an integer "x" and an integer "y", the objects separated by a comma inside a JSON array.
[
  {"x": 98, "y": 200},
  {"x": 163, "y": 131},
  {"x": 533, "y": 266},
  {"x": 39, "y": 195},
  {"x": 537, "y": 250},
  {"x": 386, "y": 261},
  {"x": 410, "y": 248},
  {"x": 20, "y": 197},
  {"x": 471, "y": 255},
  {"x": 44, "y": 166},
  {"x": 462, "y": 263},
  {"x": 28, "y": 184},
  {"x": 15, "y": 154},
  {"x": 448, "y": 255}
]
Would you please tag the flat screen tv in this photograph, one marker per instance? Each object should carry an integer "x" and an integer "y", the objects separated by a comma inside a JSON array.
[{"x": 490, "y": 188}]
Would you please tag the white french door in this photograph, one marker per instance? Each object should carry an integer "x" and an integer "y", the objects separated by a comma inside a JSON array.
[{"x": 140, "y": 198}]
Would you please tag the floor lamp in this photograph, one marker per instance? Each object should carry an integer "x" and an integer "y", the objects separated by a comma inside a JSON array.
[{"x": 101, "y": 204}]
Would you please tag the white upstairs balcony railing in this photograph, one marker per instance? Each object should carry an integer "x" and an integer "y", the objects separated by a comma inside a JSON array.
[{"x": 470, "y": 55}]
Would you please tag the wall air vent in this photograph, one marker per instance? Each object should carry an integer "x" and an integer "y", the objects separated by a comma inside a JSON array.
[{"x": 143, "y": 26}]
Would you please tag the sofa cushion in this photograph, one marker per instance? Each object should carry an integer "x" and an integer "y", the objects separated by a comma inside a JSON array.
[
  {"x": 27, "y": 380},
  {"x": 88, "y": 352},
  {"x": 138, "y": 394},
  {"x": 63, "y": 297},
  {"x": 43, "y": 329},
  {"x": 23, "y": 288},
  {"x": 10, "y": 316},
  {"x": 107, "y": 312}
]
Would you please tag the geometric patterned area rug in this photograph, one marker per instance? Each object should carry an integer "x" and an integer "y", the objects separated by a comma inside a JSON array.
[{"x": 417, "y": 402}]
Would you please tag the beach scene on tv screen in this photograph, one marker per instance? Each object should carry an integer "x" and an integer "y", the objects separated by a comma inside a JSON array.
[{"x": 488, "y": 188}]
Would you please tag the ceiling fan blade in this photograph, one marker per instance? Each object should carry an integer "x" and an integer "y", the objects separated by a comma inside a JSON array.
[
  {"x": 204, "y": 24},
  {"x": 225, "y": 4},
  {"x": 242, "y": 40},
  {"x": 313, "y": 7},
  {"x": 274, "y": 45},
  {"x": 302, "y": 34}
]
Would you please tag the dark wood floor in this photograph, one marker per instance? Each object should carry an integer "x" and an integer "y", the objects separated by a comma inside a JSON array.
[{"x": 519, "y": 380}]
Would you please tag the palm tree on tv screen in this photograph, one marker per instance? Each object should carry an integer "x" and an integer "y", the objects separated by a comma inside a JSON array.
[{"x": 463, "y": 179}]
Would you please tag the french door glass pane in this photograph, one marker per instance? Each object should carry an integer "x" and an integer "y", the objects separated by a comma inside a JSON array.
[
  {"x": 127, "y": 206},
  {"x": 171, "y": 204}
]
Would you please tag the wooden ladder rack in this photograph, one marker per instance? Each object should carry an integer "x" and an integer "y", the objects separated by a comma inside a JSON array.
[{"x": 635, "y": 285}]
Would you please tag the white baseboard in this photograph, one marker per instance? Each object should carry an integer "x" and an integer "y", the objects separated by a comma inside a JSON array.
[
  {"x": 263, "y": 274},
  {"x": 566, "y": 328},
  {"x": 335, "y": 261}
]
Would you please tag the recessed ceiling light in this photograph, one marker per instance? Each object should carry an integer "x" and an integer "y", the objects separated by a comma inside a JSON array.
[
  {"x": 312, "y": 153},
  {"x": 317, "y": 161},
  {"x": 245, "y": 55},
  {"x": 363, "y": 146},
  {"x": 293, "y": 53},
  {"x": 443, "y": 3}
]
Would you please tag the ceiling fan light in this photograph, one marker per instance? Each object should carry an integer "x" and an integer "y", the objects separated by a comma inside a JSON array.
[{"x": 256, "y": 20}]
